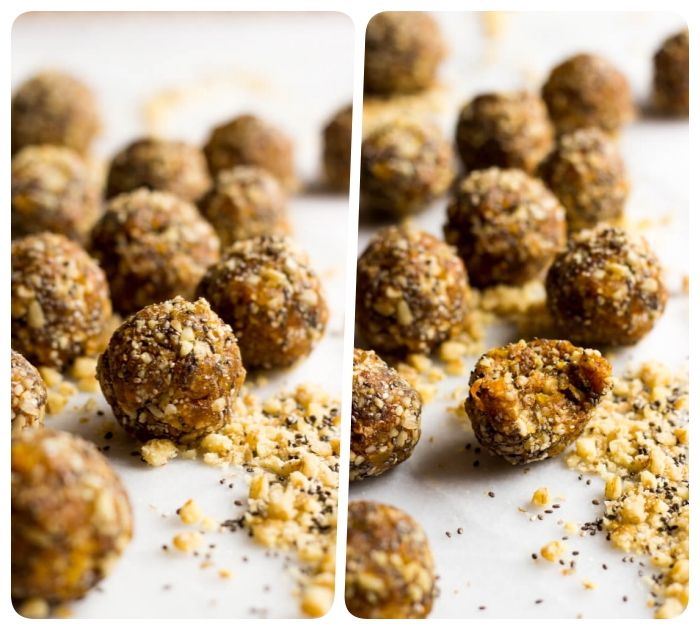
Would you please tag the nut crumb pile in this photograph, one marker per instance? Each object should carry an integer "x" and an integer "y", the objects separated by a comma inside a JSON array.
[
  {"x": 637, "y": 441},
  {"x": 290, "y": 444}
]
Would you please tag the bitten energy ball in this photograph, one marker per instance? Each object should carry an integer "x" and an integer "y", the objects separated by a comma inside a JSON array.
[
  {"x": 402, "y": 52},
  {"x": 152, "y": 246},
  {"x": 587, "y": 174},
  {"x": 54, "y": 108},
  {"x": 412, "y": 292},
  {"x": 337, "y": 137},
  {"x": 52, "y": 191},
  {"x": 172, "y": 370},
  {"x": 250, "y": 141},
  {"x": 529, "y": 401},
  {"x": 404, "y": 165},
  {"x": 28, "y": 394},
  {"x": 389, "y": 571},
  {"x": 71, "y": 518},
  {"x": 508, "y": 130},
  {"x": 607, "y": 288},
  {"x": 386, "y": 414},
  {"x": 588, "y": 91},
  {"x": 506, "y": 226},
  {"x": 246, "y": 201},
  {"x": 266, "y": 290},
  {"x": 672, "y": 75},
  {"x": 60, "y": 300},
  {"x": 166, "y": 165}
]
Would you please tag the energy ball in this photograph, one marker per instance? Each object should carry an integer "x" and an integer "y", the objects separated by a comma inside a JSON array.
[
  {"x": 508, "y": 130},
  {"x": 60, "y": 300},
  {"x": 28, "y": 395},
  {"x": 506, "y": 226},
  {"x": 587, "y": 174},
  {"x": 337, "y": 137},
  {"x": 672, "y": 75},
  {"x": 412, "y": 292},
  {"x": 172, "y": 370},
  {"x": 529, "y": 401},
  {"x": 167, "y": 165},
  {"x": 152, "y": 246},
  {"x": 71, "y": 518},
  {"x": 402, "y": 52},
  {"x": 386, "y": 414},
  {"x": 404, "y": 165},
  {"x": 266, "y": 291},
  {"x": 246, "y": 201},
  {"x": 250, "y": 141},
  {"x": 606, "y": 288},
  {"x": 52, "y": 191},
  {"x": 54, "y": 108},
  {"x": 389, "y": 571},
  {"x": 588, "y": 91}
]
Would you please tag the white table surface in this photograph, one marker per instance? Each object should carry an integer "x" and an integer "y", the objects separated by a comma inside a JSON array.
[
  {"x": 490, "y": 564},
  {"x": 199, "y": 70}
]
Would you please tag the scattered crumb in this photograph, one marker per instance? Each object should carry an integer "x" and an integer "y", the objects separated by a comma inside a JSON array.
[
  {"x": 542, "y": 497},
  {"x": 225, "y": 573},
  {"x": 190, "y": 513},
  {"x": 187, "y": 541},
  {"x": 591, "y": 586},
  {"x": 34, "y": 608},
  {"x": 158, "y": 452},
  {"x": 552, "y": 551},
  {"x": 51, "y": 377}
]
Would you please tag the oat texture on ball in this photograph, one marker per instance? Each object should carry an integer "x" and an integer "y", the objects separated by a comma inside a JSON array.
[
  {"x": 52, "y": 191},
  {"x": 28, "y": 394},
  {"x": 246, "y": 201},
  {"x": 587, "y": 174},
  {"x": 504, "y": 129},
  {"x": 386, "y": 417},
  {"x": 267, "y": 291},
  {"x": 529, "y": 400},
  {"x": 71, "y": 518},
  {"x": 167, "y": 165},
  {"x": 606, "y": 289},
  {"x": 60, "y": 301},
  {"x": 54, "y": 108},
  {"x": 153, "y": 246},
  {"x": 506, "y": 226},
  {"x": 588, "y": 91},
  {"x": 403, "y": 50},
  {"x": 412, "y": 292},
  {"x": 251, "y": 141},
  {"x": 172, "y": 370},
  {"x": 337, "y": 137},
  {"x": 404, "y": 165},
  {"x": 389, "y": 571}
]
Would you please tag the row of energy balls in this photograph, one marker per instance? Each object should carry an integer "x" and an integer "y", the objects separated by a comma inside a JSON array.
[
  {"x": 536, "y": 169},
  {"x": 175, "y": 366}
]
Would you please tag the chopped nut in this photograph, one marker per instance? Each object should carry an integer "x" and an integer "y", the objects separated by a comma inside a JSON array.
[
  {"x": 187, "y": 541},
  {"x": 190, "y": 512},
  {"x": 158, "y": 452},
  {"x": 552, "y": 551},
  {"x": 542, "y": 497}
]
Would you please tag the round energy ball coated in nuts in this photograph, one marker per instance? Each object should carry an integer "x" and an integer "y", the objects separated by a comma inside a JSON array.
[
  {"x": 386, "y": 415},
  {"x": 71, "y": 518},
  {"x": 54, "y": 108},
  {"x": 246, "y": 201},
  {"x": 337, "y": 136},
  {"x": 250, "y": 141},
  {"x": 587, "y": 174},
  {"x": 508, "y": 130},
  {"x": 60, "y": 300},
  {"x": 505, "y": 225},
  {"x": 402, "y": 52},
  {"x": 404, "y": 165},
  {"x": 588, "y": 91},
  {"x": 606, "y": 288},
  {"x": 389, "y": 571},
  {"x": 412, "y": 292},
  {"x": 529, "y": 401},
  {"x": 52, "y": 191},
  {"x": 28, "y": 394},
  {"x": 266, "y": 290},
  {"x": 152, "y": 246},
  {"x": 167, "y": 165},
  {"x": 172, "y": 370},
  {"x": 672, "y": 75}
]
